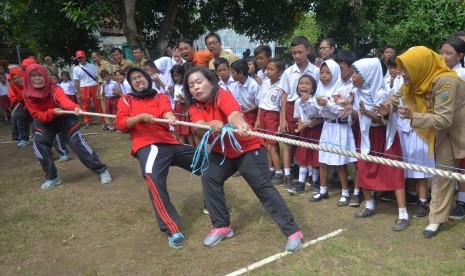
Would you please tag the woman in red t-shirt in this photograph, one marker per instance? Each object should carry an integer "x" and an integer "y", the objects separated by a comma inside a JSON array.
[
  {"x": 154, "y": 146},
  {"x": 208, "y": 104}
]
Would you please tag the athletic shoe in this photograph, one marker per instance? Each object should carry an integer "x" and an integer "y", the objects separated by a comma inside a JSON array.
[
  {"x": 49, "y": 184},
  {"x": 421, "y": 210},
  {"x": 294, "y": 241},
  {"x": 216, "y": 235},
  {"x": 105, "y": 177},
  {"x": 401, "y": 225},
  {"x": 177, "y": 240},
  {"x": 297, "y": 188},
  {"x": 315, "y": 187},
  {"x": 343, "y": 201},
  {"x": 354, "y": 201},
  {"x": 206, "y": 212},
  {"x": 64, "y": 157},
  {"x": 287, "y": 182},
  {"x": 277, "y": 179},
  {"x": 458, "y": 212},
  {"x": 22, "y": 143},
  {"x": 318, "y": 197}
]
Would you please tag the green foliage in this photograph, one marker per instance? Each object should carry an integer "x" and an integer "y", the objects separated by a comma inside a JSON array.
[
  {"x": 307, "y": 27},
  {"x": 364, "y": 25}
]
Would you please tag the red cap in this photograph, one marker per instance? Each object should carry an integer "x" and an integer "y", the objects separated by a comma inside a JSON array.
[{"x": 80, "y": 54}]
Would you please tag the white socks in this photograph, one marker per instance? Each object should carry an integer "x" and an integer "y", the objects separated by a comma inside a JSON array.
[
  {"x": 370, "y": 204},
  {"x": 356, "y": 191},
  {"x": 433, "y": 227},
  {"x": 302, "y": 174},
  {"x": 287, "y": 171},
  {"x": 345, "y": 192},
  {"x": 403, "y": 213},
  {"x": 315, "y": 174},
  {"x": 323, "y": 190}
]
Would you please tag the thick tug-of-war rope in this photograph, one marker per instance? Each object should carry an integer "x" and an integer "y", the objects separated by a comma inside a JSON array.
[{"x": 366, "y": 157}]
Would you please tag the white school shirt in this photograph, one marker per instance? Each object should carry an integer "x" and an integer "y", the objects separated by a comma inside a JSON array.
[
  {"x": 178, "y": 91},
  {"x": 228, "y": 85},
  {"x": 269, "y": 96},
  {"x": 330, "y": 111},
  {"x": 109, "y": 87},
  {"x": 246, "y": 94},
  {"x": 262, "y": 75},
  {"x": 291, "y": 77},
  {"x": 460, "y": 70},
  {"x": 398, "y": 81},
  {"x": 4, "y": 89},
  {"x": 84, "y": 79},
  {"x": 68, "y": 87},
  {"x": 301, "y": 113}
]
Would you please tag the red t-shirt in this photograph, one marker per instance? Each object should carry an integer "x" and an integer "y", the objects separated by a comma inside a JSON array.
[
  {"x": 43, "y": 111},
  {"x": 144, "y": 134},
  {"x": 219, "y": 109}
]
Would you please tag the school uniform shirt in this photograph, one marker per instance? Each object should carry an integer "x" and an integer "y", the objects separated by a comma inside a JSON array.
[
  {"x": 460, "y": 70},
  {"x": 68, "y": 87},
  {"x": 220, "y": 108},
  {"x": 43, "y": 110},
  {"x": 179, "y": 92},
  {"x": 123, "y": 65},
  {"x": 291, "y": 76},
  {"x": 84, "y": 79},
  {"x": 246, "y": 94},
  {"x": 126, "y": 87},
  {"x": 109, "y": 87},
  {"x": 143, "y": 134},
  {"x": 103, "y": 65},
  {"x": 4, "y": 89},
  {"x": 262, "y": 75},
  {"x": 397, "y": 83},
  {"x": 269, "y": 97},
  {"x": 228, "y": 85}
]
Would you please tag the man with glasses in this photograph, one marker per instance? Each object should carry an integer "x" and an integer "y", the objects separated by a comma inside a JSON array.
[{"x": 213, "y": 43}]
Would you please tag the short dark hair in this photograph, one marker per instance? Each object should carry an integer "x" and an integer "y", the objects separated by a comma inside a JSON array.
[
  {"x": 209, "y": 75},
  {"x": 116, "y": 50},
  {"x": 459, "y": 46},
  {"x": 122, "y": 71},
  {"x": 220, "y": 61},
  {"x": 330, "y": 41},
  {"x": 150, "y": 63},
  {"x": 98, "y": 53},
  {"x": 186, "y": 40},
  {"x": 240, "y": 66},
  {"x": 262, "y": 49},
  {"x": 252, "y": 59},
  {"x": 391, "y": 62},
  {"x": 387, "y": 47},
  {"x": 312, "y": 79},
  {"x": 104, "y": 73},
  {"x": 346, "y": 56},
  {"x": 459, "y": 34},
  {"x": 279, "y": 62},
  {"x": 137, "y": 47},
  {"x": 300, "y": 40},
  {"x": 217, "y": 36}
]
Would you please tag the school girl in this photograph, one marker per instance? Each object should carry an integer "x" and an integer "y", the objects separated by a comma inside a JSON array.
[
  {"x": 183, "y": 133},
  {"x": 336, "y": 131},
  {"x": 45, "y": 101},
  {"x": 68, "y": 86}
]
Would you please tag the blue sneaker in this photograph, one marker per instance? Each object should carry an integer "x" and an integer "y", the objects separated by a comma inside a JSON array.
[
  {"x": 22, "y": 143},
  {"x": 216, "y": 235},
  {"x": 64, "y": 158},
  {"x": 49, "y": 184},
  {"x": 177, "y": 240},
  {"x": 294, "y": 241}
]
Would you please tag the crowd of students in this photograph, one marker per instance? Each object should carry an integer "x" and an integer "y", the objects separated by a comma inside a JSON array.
[{"x": 332, "y": 100}]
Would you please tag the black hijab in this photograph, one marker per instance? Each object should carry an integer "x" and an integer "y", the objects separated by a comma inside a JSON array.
[{"x": 147, "y": 92}]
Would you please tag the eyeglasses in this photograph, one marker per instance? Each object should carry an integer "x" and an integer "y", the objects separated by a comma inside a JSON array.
[
  {"x": 323, "y": 48},
  {"x": 213, "y": 43}
]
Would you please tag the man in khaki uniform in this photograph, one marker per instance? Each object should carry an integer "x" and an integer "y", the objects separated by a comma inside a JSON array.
[
  {"x": 213, "y": 43},
  {"x": 139, "y": 55},
  {"x": 120, "y": 62},
  {"x": 437, "y": 113},
  {"x": 102, "y": 64}
]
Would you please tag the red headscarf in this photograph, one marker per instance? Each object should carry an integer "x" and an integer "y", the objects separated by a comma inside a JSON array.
[
  {"x": 36, "y": 93},
  {"x": 27, "y": 62},
  {"x": 16, "y": 91}
]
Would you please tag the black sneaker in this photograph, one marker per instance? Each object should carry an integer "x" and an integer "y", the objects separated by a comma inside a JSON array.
[
  {"x": 318, "y": 197},
  {"x": 354, "y": 200},
  {"x": 411, "y": 199},
  {"x": 458, "y": 212},
  {"x": 421, "y": 210},
  {"x": 297, "y": 188},
  {"x": 287, "y": 182},
  {"x": 277, "y": 179},
  {"x": 315, "y": 187},
  {"x": 386, "y": 196}
]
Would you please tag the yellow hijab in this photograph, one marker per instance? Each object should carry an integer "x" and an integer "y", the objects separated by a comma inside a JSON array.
[{"x": 423, "y": 66}]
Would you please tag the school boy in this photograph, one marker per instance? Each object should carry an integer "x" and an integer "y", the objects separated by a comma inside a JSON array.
[
  {"x": 224, "y": 73},
  {"x": 300, "y": 49},
  {"x": 262, "y": 56}
]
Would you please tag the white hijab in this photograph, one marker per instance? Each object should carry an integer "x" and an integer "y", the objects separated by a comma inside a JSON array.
[
  {"x": 373, "y": 92},
  {"x": 328, "y": 90}
]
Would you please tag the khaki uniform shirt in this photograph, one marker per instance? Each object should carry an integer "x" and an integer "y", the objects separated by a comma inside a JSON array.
[
  {"x": 230, "y": 57},
  {"x": 123, "y": 65},
  {"x": 103, "y": 65},
  {"x": 141, "y": 63},
  {"x": 448, "y": 115}
]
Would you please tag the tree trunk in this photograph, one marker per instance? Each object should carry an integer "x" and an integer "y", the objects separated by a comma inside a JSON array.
[
  {"x": 128, "y": 21},
  {"x": 166, "y": 29}
]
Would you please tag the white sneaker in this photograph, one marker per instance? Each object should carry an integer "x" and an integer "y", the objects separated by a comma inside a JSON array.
[
  {"x": 49, "y": 184},
  {"x": 105, "y": 177}
]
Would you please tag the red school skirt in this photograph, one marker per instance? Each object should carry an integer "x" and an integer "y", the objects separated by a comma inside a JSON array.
[
  {"x": 180, "y": 112},
  {"x": 306, "y": 156},
  {"x": 377, "y": 177}
]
